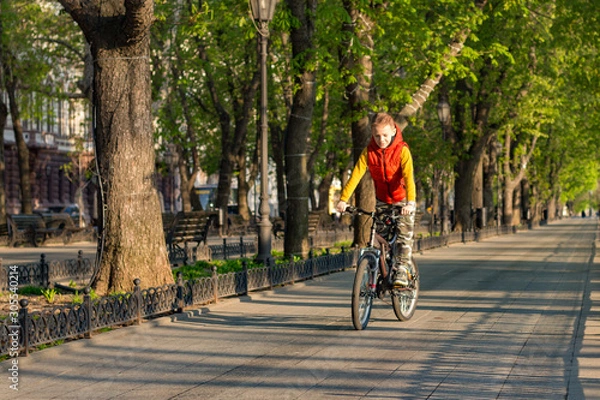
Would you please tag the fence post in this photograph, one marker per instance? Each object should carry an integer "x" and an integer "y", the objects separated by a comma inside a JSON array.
[
  {"x": 215, "y": 282},
  {"x": 44, "y": 270},
  {"x": 291, "y": 267},
  {"x": 270, "y": 272},
  {"x": 138, "y": 299},
  {"x": 24, "y": 322},
  {"x": 87, "y": 306},
  {"x": 245, "y": 270},
  {"x": 224, "y": 248},
  {"x": 80, "y": 271},
  {"x": 180, "y": 294},
  {"x": 242, "y": 249},
  {"x": 312, "y": 264}
]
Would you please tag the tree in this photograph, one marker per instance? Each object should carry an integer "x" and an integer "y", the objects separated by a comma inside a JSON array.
[
  {"x": 298, "y": 128},
  {"x": 11, "y": 78},
  {"x": 357, "y": 63},
  {"x": 118, "y": 32},
  {"x": 205, "y": 87}
]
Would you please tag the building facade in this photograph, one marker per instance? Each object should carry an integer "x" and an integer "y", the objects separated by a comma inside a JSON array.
[{"x": 60, "y": 157}]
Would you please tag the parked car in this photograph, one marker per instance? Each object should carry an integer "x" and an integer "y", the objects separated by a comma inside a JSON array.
[{"x": 72, "y": 210}]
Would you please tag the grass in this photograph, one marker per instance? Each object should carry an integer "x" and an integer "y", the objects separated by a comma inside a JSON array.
[
  {"x": 50, "y": 295},
  {"x": 31, "y": 291}
]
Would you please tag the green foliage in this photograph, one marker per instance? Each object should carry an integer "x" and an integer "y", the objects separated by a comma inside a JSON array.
[
  {"x": 77, "y": 298},
  {"x": 30, "y": 291},
  {"x": 532, "y": 66},
  {"x": 50, "y": 295},
  {"x": 203, "y": 269},
  {"x": 93, "y": 295},
  {"x": 40, "y": 44}
]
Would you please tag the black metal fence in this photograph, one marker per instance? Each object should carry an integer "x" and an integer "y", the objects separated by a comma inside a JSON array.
[
  {"x": 233, "y": 248},
  {"x": 23, "y": 329},
  {"x": 230, "y": 248},
  {"x": 44, "y": 272}
]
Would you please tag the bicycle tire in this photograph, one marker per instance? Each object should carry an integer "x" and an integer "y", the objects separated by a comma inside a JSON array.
[
  {"x": 404, "y": 302},
  {"x": 362, "y": 291}
]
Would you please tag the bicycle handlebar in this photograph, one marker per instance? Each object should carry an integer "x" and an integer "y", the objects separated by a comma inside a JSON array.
[{"x": 378, "y": 210}]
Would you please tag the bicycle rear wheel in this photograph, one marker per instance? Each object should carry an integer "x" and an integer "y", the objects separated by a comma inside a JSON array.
[
  {"x": 362, "y": 291},
  {"x": 404, "y": 302}
]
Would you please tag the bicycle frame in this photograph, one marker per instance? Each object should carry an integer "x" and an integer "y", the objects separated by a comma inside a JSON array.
[
  {"x": 381, "y": 254},
  {"x": 373, "y": 261}
]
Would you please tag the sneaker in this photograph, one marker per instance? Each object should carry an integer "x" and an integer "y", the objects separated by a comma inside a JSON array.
[{"x": 401, "y": 278}]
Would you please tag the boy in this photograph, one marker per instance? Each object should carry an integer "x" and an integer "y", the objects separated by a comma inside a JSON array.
[{"x": 389, "y": 161}]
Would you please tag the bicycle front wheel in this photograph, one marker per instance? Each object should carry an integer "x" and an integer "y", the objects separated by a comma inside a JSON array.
[
  {"x": 404, "y": 302},
  {"x": 363, "y": 291}
]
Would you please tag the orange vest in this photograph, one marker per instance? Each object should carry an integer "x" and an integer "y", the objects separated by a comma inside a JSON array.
[{"x": 386, "y": 169}]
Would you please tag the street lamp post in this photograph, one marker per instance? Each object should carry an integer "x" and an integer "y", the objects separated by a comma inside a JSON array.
[
  {"x": 262, "y": 12},
  {"x": 443, "y": 111}
]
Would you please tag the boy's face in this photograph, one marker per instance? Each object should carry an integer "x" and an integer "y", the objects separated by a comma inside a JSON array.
[{"x": 383, "y": 135}]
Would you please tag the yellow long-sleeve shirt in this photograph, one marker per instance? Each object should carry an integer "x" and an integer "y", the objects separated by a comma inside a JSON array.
[{"x": 361, "y": 167}]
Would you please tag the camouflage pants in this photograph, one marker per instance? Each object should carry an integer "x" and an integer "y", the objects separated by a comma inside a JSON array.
[{"x": 404, "y": 242}]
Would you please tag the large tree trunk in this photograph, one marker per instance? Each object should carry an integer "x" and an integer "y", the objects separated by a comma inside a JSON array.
[
  {"x": 134, "y": 245},
  {"x": 358, "y": 94},
  {"x": 298, "y": 130},
  {"x": 463, "y": 189},
  {"x": 276, "y": 137},
  {"x": 511, "y": 185}
]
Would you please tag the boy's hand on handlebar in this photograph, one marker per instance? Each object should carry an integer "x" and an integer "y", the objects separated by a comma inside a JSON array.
[{"x": 341, "y": 206}]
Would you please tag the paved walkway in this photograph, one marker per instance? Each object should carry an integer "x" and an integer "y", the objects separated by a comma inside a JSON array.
[
  {"x": 53, "y": 252},
  {"x": 59, "y": 251},
  {"x": 513, "y": 317}
]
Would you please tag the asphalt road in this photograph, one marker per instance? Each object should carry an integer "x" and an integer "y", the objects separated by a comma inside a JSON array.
[{"x": 512, "y": 317}]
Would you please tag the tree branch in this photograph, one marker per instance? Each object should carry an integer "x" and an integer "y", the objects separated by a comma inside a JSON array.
[
  {"x": 139, "y": 16},
  {"x": 421, "y": 95}
]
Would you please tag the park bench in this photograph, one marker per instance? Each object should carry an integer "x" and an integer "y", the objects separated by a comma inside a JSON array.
[
  {"x": 4, "y": 233},
  {"x": 167, "y": 219},
  {"x": 318, "y": 221},
  {"x": 188, "y": 228},
  {"x": 61, "y": 226},
  {"x": 314, "y": 219},
  {"x": 238, "y": 226},
  {"x": 30, "y": 228}
]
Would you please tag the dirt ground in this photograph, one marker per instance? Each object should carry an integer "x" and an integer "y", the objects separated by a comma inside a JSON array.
[{"x": 36, "y": 302}]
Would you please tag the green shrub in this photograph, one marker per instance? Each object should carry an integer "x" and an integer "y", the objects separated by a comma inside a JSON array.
[
  {"x": 77, "y": 298},
  {"x": 30, "y": 291},
  {"x": 93, "y": 295},
  {"x": 50, "y": 295}
]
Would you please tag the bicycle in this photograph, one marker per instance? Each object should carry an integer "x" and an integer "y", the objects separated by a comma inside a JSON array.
[{"x": 373, "y": 278}]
